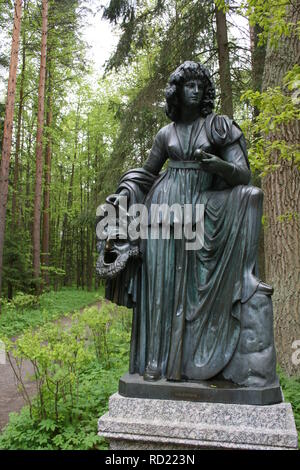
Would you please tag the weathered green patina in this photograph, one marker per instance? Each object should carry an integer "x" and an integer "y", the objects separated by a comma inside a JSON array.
[{"x": 198, "y": 313}]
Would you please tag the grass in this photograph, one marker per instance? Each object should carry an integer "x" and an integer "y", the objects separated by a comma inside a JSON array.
[
  {"x": 291, "y": 391},
  {"x": 52, "y": 305}
]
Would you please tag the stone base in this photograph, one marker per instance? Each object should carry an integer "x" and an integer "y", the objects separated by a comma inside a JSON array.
[
  {"x": 136, "y": 423},
  {"x": 209, "y": 391}
]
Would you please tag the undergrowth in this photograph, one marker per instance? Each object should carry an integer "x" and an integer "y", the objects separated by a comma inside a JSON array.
[
  {"x": 291, "y": 391},
  {"x": 76, "y": 369},
  {"x": 17, "y": 317}
]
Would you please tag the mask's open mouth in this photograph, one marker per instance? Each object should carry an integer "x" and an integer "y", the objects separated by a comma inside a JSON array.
[
  {"x": 113, "y": 259},
  {"x": 110, "y": 257}
]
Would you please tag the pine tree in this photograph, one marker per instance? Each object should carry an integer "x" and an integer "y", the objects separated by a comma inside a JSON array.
[
  {"x": 224, "y": 63},
  {"x": 39, "y": 150},
  {"x": 8, "y": 127}
]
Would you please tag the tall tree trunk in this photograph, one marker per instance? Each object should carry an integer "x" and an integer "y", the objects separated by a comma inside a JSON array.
[
  {"x": 96, "y": 202},
  {"x": 81, "y": 231},
  {"x": 258, "y": 53},
  {"x": 78, "y": 263},
  {"x": 28, "y": 204},
  {"x": 224, "y": 64},
  {"x": 66, "y": 240},
  {"x": 46, "y": 209},
  {"x": 89, "y": 261},
  {"x": 21, "y": 203},
  {"x": 18, "y": 138},
  {"x": 282, "y": 198},
  {"x": 8, "y": 126},
  {"x": 65, "y": 247},
  {"x": 39, "y": 152}
]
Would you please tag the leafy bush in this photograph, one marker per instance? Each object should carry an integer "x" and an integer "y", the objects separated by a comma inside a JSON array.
[
  {"x": 17, "y": 263},
  {"x": 110, "y": 332},
  {"x": 76, "y": 370},
  {"x": 94, "y": 388},
  {"x": 277, "y": 106},
  {"x": 54, "y": 274},
  {"x": 56, "y": 356},
  {"x": 291, "y": 391},
  {"x": 23, "y": 301}
]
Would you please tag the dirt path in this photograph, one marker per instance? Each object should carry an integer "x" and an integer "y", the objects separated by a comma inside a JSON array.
[{"x": 10, "y": 398}]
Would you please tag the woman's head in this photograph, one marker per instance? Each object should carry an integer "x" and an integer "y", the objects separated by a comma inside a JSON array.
[{"x": 184, "y": 73}]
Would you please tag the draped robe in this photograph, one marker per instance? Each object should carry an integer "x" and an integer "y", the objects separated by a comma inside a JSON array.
[{"x": 187, "y": 304}]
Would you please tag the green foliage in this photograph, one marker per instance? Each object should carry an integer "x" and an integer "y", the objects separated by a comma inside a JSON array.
[
  {"x": 119, "y": 9},
  {"x": 222, "y": 5},
  {"x": 108, "y": 331},
  {"x": 75, "y": 383},
  {"x": 66, "y": 65},
  {"x": 56, "y": 355},
  {"x": 54, "y": 274},
  {"x": 52, "y": 305},
  {"x": 98, "y": 326},
  {"x": 74, "y": 380},
  {"x": 291, "y": 391},
  {"x": 271, "y": 17},
  {"x": 16, "y": 260},
  {"x": 23, "y": 302},
  {"x": 277, "y": 107},
  {"x": 94, "y": 388},
  {"x": 97, "y": 132}
]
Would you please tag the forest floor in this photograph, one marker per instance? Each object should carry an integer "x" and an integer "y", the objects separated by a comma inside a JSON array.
[{"x": 11, "y": 399}]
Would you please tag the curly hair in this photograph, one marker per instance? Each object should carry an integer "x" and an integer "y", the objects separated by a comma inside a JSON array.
[{"x": 188, "y": 71}]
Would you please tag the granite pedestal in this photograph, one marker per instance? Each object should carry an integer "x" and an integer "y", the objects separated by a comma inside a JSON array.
[{"x": 141, "y": 423}]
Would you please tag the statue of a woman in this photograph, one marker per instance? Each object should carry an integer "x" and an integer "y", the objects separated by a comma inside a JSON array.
[{"x": 197, "y": 313}]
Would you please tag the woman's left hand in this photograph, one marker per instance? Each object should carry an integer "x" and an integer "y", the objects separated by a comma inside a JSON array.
[{"x": 209, "y": 162}]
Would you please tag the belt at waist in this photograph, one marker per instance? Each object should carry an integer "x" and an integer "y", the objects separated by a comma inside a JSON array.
[{"x": 185, "y": 164}]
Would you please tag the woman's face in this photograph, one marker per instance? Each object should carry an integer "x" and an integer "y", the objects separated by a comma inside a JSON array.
[{"x": 191, "y": 93}]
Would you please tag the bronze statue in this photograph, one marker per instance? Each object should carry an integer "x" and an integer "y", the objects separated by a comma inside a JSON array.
[{"x": 203, "y": 313}]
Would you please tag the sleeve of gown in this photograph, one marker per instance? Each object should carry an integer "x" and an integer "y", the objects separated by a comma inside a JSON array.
[
  {"x": 233, "y": 154},
  {"x": 158, "y": 154},
  {"x": 231, "y": 147}
]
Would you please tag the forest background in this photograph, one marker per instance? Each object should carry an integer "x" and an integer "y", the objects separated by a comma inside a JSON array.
[{"x": 66, "y": 137}]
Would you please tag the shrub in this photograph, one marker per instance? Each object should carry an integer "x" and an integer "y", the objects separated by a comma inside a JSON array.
[
  {"x": 94, "y": 388},
  {"x": 108, "y": 332},
  {"x": 23, "y": 301},
  {"x": 56, "y": 356},
  {"x": 75, "y": 370},
  {"x": 291, "y": 390}
]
